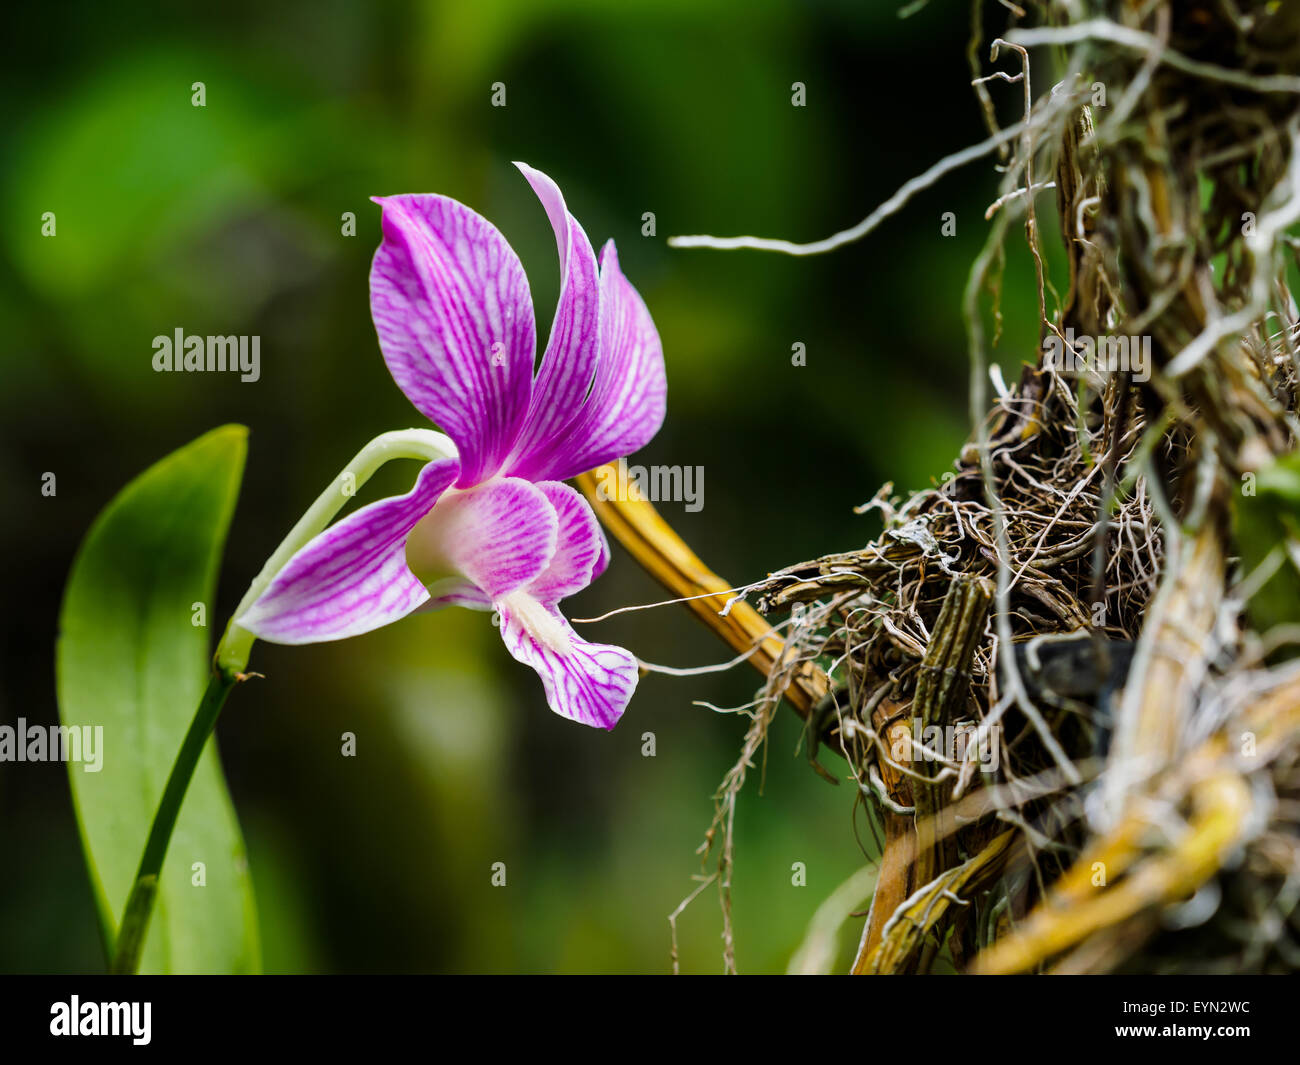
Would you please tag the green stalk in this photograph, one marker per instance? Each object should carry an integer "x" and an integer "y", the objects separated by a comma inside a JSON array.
[
  {"x": 422, "y": 444},
  {"x": 139, "y": 905},
  {"x": 228, "y": 667}
]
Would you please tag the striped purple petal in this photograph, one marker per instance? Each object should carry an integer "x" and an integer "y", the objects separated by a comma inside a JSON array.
[
  {"x": 456, "y": 591},
  {"x": 591, "y": 683},
  {"x": 569, "y": 363},
  {"x": 581, "y": 551},
  {"x": 353, "y": 577},
  {"x": 500, "y": 536},
  {"x": 629, "y": 394},
  {"x": 454, "y": 316}
]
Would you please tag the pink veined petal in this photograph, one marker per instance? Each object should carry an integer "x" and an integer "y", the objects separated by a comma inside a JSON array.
[
  {"x": 454, "y": 315},
  {"x": 629, "y": 396},
  {"x": 456, "y": 591},
  {"x": 603, "y": 561},
  {"x": 591, "y": 683},
  {"x": 569, "y": 364},
  {"x": 353, "y": 577},
  {"x": 581, "y": 551},
  {"x": 499, "y": 535}
]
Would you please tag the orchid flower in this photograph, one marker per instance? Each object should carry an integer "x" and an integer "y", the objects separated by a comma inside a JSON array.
[{"x": 492, "y": 527}]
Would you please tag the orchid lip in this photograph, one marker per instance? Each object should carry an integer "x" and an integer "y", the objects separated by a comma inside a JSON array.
[{"x": 537, "y": 621}]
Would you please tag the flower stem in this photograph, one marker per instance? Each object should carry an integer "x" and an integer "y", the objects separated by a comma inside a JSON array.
[
  {"x": 228, "y": 670},
  {"x": 423, "y": 444},
  {"x": 139, "y": 904}
]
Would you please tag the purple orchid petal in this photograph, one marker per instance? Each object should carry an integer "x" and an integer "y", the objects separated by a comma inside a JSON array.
[
  {"x": 353, "y": 577},
  {"x": 500, "y": 536},
  {"x": 591, "y": 683},
  {"x": 569, "y": 364},
  {"x": 629, "y": 395},
  {"x": 454, "y": 316},
  {"x": 581, "y": 551},
  {"x": 455, "y": 591}
]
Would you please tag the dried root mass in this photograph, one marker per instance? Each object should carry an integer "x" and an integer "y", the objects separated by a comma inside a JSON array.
[{"x": 1063, "y": 678}]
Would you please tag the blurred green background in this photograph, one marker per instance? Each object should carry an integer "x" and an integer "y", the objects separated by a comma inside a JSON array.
[{"x": 227, "y": 219}]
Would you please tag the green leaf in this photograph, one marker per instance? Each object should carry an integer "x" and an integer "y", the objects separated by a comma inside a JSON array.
[
  {"x": 132, "y": 660},
  {"x": 1267, "y": 528}
]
